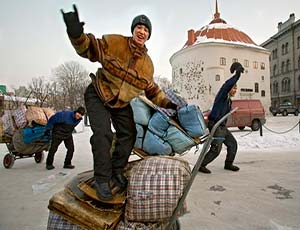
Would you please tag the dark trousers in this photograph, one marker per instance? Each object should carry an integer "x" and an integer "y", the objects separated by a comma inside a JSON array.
[
  {"x": 55, "y": 142},
  {"x": 101, "y": 118},
  {"x": 222, "y": 135}
]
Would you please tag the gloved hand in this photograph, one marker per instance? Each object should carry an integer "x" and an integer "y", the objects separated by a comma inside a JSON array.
[
  {"x": 171, "y": 105},
  {"x": 236, "y": 66},
  {"x": 74, "y": 26}
]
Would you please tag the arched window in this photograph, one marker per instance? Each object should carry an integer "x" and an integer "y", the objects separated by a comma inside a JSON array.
[
  {"x": 282, "y": 67},
  {"x": 288, "y": 64},
  {"x": 263, "y": 93},
  {"x": 274, "y": 70},
  {"x": 256, "y": 88},
  {"x": 282, "y": 49},
  {"x": 286, "y": 48},
  {"x": 217, "y": 77}
]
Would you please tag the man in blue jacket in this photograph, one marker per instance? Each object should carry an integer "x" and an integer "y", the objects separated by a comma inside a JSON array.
[
  {"x": 62, "y": 125},
  {"x": 222, "y": 105}
]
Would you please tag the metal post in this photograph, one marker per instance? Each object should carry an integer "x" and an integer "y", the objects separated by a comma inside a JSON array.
[{"x": 260, "y": 129}]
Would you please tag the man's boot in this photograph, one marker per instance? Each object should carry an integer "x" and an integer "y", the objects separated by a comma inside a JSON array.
[
  {"x": 230, "y": 166},
  {"x": 103, "y": 190},
  {"x": 120, "y": 180},
  {"x": 203, "y": 169}
]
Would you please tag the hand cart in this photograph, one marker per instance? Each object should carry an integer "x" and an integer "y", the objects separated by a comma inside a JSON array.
[{"x": 13, "y": 154}]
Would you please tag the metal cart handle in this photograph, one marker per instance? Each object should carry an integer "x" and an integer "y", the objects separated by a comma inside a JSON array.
[{"x": 196, "y": 168}]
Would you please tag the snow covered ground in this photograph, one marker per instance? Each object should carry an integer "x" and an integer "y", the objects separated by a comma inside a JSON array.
[{"x": 264, "y": 194}]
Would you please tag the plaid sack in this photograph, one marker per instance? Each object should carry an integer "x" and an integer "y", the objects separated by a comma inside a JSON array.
[
  {"x": 57, "y": 222},
  {"x": 20, "y": 117},
  {"x": 9, "y": 126},
  {"x": 154, "y": 188},
  {"x": 127, "y": 225}
]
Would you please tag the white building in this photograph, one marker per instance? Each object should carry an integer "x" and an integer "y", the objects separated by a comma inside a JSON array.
[{"x": 201, "y": 67}]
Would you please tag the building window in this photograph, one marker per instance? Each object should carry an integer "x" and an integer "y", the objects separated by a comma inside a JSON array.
[
  {"x": 262, "y": 78},
  {"x": 299, "y": 62},
  {"x": 262, "y": 65},
  {"x": 256, "y": 88},
  {"x": 180, "y": 70},
  {"x": 286, "y": 48},
  {"x": 255, "y": 64},
  {"x": 299, "y": 82},
  {"x": 282, "y": 49},
  {"x": 286, "y": 85},
  {"x": 275, "y": 53},
  {"x": 234, "y": 60},
  {"x": 274, "y": 70},
  {"x": 263, "y": 93},
  {"x": 282, "y": 67},
  {"x": 246, "y": 63},
  {"x": 218, "y": 77},
  {"x": 222, "y": 61},
  {"x": 246, "y": 90},
  {"x": 298, "y": 42},
  {"x": 275, "y": 87},
  {"x": 288, "y": 64}
]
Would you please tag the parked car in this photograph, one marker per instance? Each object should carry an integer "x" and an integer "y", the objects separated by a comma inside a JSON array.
[
  {"x": 249, "y": 113},
  {"x": 285, "y": 109}
]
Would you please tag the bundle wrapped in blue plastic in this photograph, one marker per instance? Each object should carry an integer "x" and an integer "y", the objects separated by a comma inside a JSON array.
[
  {"x": 159, "y": 123},
  {"x": 154, "y": 145},
  {"x": 139, "y": 136},
  {"x": 141, "y": 111},
  {"x": 192, "y": 121},
  {"x": 36, "y": 133}
]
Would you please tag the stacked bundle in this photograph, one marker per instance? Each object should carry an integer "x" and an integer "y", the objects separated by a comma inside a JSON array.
[{"x": 157, "y": 131}]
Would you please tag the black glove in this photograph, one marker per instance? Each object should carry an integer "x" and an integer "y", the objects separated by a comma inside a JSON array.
[
  {"x": 171, "y": 105},
  {"x": 74, "y": 26},
  {"x": 236, "y": 66}
]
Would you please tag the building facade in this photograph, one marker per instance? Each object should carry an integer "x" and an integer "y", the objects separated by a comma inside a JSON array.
[
  {"x": 201, "y": 67},
  {"x": 285, "y": 62}
]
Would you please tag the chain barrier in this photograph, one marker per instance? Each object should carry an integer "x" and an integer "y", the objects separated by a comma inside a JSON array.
[{"x": 297, "y": 124}]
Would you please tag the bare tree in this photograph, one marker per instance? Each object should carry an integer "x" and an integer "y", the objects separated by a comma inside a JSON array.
[
  {"x": 39, "y": 89},
  {"x": 72, "y": 80}
]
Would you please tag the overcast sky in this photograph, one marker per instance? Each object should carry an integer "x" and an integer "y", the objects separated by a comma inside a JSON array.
[{"x": 33, "y": 40}]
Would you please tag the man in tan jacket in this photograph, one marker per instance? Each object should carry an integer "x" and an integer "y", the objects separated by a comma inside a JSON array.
[{"x": 126, "y": 71}]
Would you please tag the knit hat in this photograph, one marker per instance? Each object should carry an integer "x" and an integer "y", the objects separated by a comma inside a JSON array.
[
  {"x": 80, "y": 110},
  {"x": 141, "y": 20}
]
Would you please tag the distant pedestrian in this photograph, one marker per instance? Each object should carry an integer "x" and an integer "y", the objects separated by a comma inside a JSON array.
[
  {"x": 222, "y": 105},
  {"x": 61, "y": 126}
]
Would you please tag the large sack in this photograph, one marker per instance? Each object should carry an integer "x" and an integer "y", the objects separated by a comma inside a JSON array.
[
  {"x": 36, "y": 115},
  {"x": 23, "y": 148},
  {"x": 161, "y": 125},
  {"x": 9, "y": 125},
  {"x": 154, "y": 145},
  {"x": 57, "y": 222},
  {"x": 129, "y": 225},
  {"x": 139, "y": 136},
  {"x": 35, "y": 133},
  {"x": 20, "y": 116},
  {"x": 141, "y": 111},
  {"x": 192, "y": 121},
  {"x": 48, "y": 112},
  {"x": 155, "y": 186}
]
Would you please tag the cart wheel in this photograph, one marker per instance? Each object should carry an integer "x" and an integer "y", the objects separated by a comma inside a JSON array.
[
  {"x": 39, "y": 157},
  {"x": 8, "y": 160}
]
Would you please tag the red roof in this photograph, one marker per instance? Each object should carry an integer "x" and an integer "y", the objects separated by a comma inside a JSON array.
[{"x": 218, "y": 29}]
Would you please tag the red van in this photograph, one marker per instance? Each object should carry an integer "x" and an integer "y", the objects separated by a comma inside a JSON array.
[{"x": 250, "y": 113}]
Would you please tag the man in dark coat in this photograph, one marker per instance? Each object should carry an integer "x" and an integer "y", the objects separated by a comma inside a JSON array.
[
  {"x": 222, "y": 105},
  {"x": 61, "y": 125}
]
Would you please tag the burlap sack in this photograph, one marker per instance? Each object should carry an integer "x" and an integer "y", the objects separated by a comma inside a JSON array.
[{"x": 37, "y": 115}]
